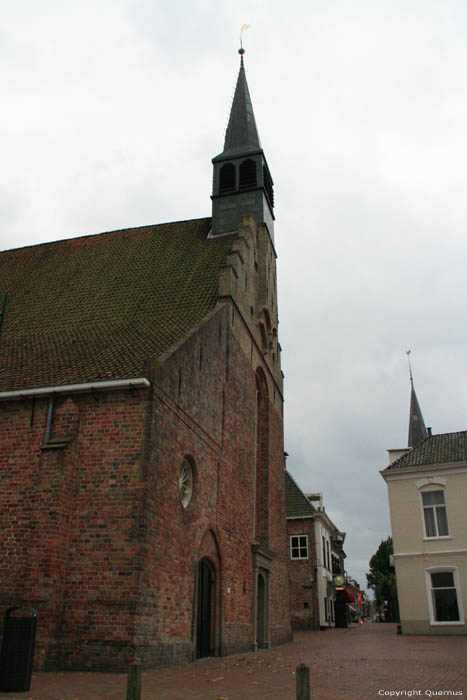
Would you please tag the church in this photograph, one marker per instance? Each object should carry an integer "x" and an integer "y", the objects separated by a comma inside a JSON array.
[{"x": 141, "y": 431}]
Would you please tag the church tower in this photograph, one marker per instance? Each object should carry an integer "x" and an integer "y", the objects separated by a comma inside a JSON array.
[
  {"x": 417, "y": 429},
  {"x": 242, "y": 183}
]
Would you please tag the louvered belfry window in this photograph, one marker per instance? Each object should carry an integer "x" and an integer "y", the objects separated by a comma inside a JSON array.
[
  {"x": 247, "y": 174},
  {"x": 227, "y": 178}
]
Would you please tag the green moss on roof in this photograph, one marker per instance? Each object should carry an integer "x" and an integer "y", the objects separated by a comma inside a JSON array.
[
  {"x": 297, "y": 504},
  {"x": 445, "y": 448},
  {"x": 99, "y": 307}
]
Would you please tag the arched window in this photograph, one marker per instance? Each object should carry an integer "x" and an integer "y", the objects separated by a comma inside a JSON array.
[
  {"x": 227, "y": 178},
  {"x": 262, "y": 460},
  {"x": 247, "y": 174}
]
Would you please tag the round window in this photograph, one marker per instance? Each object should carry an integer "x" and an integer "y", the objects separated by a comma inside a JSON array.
[{"x": 185, "y": 482}]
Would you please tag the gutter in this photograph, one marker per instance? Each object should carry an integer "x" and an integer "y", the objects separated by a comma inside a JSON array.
[{"x": 109, "y": 385}]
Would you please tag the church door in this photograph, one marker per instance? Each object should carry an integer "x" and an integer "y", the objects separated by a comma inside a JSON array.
[{"x": 205, "y": 618}]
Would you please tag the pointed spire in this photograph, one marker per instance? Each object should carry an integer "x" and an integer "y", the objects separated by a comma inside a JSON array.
[
  {"x": 417, "y": 429},
  {"x": 241, "y": 135}
]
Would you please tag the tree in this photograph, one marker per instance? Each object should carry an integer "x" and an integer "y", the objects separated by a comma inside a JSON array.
[{"x": 382, "y": 579}]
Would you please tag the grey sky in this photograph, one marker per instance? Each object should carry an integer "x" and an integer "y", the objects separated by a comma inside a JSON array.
[{"x": 113, "y": 110}]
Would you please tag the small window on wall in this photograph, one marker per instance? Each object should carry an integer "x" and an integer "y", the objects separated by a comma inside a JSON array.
[
  {"x": 299, "y": 546},
  {"x": 434, "y": 512},
  {"x": 444, "y": 598}
]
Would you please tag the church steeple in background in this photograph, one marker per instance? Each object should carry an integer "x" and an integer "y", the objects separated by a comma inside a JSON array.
[
  {"x": 242, "y": 183},
  {"x": 417, "y": 429}
]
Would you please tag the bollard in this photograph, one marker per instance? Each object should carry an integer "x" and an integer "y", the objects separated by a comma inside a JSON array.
[
  {"x": 133, "y": 689},
  {"x": 302, "y": 674}
]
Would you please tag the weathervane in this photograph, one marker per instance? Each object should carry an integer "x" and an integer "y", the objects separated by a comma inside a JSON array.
[
  {"x": 241, "y": 50},
  {"x": 408, "y": 353}
]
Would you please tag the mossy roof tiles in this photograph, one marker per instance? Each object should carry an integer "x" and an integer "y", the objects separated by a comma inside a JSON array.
[
  {"x": 297, "y": 504},
  {"x": 445, "y": 448},
  {"x": 99, "y": 307}
]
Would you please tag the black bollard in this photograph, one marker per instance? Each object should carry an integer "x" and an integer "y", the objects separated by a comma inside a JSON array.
[
  {"x": 302, "y": 674},
  {"x": 133, "y": 689}
]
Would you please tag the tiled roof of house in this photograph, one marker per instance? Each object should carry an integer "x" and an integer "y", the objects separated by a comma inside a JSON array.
[
  {"x": 99, "y": 307},
  {"x": 437, "y": 449},
  {"x": 296, "y": 503}
]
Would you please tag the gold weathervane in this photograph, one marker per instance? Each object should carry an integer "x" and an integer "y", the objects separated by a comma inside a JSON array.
[{"x": 243, "y": 28}]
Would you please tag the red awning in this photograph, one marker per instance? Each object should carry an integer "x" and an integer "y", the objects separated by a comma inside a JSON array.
[{"x": 345, "y": 595}]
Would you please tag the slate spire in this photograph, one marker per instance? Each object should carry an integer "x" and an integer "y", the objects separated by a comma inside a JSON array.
[
  {"x": 241, "y": 135},
  {"x": 242, "y": 184},
  {"x": 417, "y": 429}
]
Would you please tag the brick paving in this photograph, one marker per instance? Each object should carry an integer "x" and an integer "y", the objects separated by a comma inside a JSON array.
[{"x": 366, "y": 662}]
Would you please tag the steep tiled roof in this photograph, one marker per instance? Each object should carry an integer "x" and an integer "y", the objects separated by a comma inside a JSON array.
[
  {"x": 437, "y": 449},
  {"x": 98, "y": 307},
  {"x": 296, "y": 503}
]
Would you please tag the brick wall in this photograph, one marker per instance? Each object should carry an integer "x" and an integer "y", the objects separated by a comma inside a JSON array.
[
  {"x": 96, "y": 536},
  {"x": 73, "y": 512},
  {"x": 301, "y": 578}
]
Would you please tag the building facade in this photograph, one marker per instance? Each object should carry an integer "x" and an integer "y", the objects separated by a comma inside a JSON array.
[
  {"x": 141, "y": 431},
  {"x": 316, "y": 557},
  {"x": 427, "y": 490}
]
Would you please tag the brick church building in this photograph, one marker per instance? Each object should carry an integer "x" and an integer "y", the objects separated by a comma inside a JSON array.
[{"x": 141, "y": 431}]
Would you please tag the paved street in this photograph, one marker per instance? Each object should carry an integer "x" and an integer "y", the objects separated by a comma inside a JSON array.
[{"x": 366, "y": 662}]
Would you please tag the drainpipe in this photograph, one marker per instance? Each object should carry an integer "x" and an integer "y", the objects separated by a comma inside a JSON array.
[{"x": 50, "y": 413}]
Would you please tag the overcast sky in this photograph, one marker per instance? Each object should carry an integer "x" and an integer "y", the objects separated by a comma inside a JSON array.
[{"x": 112, "y": 111}]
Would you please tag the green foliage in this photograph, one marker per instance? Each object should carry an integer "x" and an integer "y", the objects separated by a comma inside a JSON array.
[{"x": 381, "y": 576}]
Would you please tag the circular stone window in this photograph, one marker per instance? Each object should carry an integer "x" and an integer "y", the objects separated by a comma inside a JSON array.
[{"x": 185, "y": 482}]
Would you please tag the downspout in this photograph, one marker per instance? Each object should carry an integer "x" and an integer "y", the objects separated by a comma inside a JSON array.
[{"x": 48, "y": 427}]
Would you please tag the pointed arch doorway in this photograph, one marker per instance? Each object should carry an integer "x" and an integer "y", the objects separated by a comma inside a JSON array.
[{"x": 205, "y": 620}]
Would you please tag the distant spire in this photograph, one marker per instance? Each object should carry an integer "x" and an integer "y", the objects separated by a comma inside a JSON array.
[
  {"x": 241, "y": 135},
  {"x": 417, "y": 429}
]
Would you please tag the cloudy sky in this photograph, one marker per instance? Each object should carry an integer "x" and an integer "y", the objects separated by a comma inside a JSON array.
[{"x": 112, "y": 110}]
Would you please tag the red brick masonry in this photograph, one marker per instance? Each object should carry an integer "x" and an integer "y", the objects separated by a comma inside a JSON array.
[{"x": 362, "y": 663}]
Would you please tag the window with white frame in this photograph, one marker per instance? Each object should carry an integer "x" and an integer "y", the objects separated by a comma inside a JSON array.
[
  {"x": 299, "y": 546},
  {"x": 434, "y": 512},
  {"x": 443, "y": 596}
]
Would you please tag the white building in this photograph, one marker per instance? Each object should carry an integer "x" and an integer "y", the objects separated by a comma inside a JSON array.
[{"x": 427, "y": 489}]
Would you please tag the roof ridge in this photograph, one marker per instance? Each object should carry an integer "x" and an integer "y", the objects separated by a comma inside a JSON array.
[
  {"x": 445, "y": 448},
  {"x": 105, "y": 233}
]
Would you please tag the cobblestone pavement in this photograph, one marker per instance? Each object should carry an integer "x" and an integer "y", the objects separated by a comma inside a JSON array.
[{"x": 366, "y": 662}]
